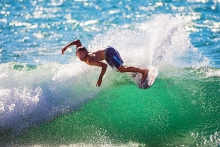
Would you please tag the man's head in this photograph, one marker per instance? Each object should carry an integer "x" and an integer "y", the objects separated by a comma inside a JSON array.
[{"x": 81, "y": 53}]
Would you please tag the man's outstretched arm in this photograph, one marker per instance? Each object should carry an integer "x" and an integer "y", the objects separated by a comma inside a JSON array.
[{"x": 76, "y": 42}]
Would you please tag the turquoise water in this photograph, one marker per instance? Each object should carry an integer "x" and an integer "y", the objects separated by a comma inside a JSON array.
[{"x": 49, "y": 99}]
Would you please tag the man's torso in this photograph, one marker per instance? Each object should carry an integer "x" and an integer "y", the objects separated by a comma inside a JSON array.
[{"x": 96, "y": 56}]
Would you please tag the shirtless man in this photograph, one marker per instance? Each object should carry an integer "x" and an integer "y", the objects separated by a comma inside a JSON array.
[{"x": 109, "y": 54}]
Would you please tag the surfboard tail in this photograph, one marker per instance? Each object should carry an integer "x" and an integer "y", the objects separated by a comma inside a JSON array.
[{"x": 152, "y": 74}]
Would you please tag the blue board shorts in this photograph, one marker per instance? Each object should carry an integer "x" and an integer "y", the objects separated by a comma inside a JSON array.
[{"x": 112, "y": 57}]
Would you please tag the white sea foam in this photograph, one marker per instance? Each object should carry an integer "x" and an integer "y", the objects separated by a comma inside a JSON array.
[
  {"x": 30, "y": 96},
  {"x": 213, "y": 73}
]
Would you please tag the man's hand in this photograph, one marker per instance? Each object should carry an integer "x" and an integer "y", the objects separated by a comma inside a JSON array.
[
  {"x": 63, "y": 50},
  {"x": 99, "y": 82}
]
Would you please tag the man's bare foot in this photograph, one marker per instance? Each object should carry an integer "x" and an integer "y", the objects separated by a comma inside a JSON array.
[{"x": 144, "y": 76}]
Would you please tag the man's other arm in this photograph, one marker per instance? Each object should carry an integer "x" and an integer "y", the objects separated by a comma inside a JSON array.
[{"x": 103, "y": 70}]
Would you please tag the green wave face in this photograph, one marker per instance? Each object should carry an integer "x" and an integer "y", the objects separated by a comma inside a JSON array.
[{"x": 176, "y": 110}]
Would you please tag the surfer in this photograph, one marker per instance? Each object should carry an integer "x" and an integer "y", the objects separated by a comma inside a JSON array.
[{"x": 109, "y": 54}]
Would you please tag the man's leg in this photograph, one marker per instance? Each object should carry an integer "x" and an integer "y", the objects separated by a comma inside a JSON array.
[{"x": 144, "y": 72}]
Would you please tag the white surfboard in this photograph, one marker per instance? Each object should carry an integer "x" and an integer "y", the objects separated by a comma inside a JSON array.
[{"x": 152, "y": 74}]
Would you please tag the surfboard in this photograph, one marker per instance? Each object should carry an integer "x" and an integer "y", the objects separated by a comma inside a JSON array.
[{"x": 152, "y": 75}]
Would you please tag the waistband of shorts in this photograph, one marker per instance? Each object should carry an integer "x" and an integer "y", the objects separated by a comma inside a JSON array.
[{"x": 109, "y": 47}]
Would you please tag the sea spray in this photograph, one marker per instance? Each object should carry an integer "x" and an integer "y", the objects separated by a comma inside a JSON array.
[
  {"x": 29, "y": 96},
  {"x": 161, "y": 41}
]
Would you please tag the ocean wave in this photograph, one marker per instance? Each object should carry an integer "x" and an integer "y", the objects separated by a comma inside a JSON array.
[{"x": 33, "y": 95}]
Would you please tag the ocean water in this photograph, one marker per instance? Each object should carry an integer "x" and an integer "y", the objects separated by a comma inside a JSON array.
[{"x": 49, "y": 99}]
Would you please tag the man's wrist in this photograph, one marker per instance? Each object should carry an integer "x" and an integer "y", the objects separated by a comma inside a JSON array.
[{"x": 100, "y": 77}]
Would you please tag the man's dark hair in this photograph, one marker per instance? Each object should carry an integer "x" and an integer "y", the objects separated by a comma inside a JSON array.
[{"x": 81, "y": 48}]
